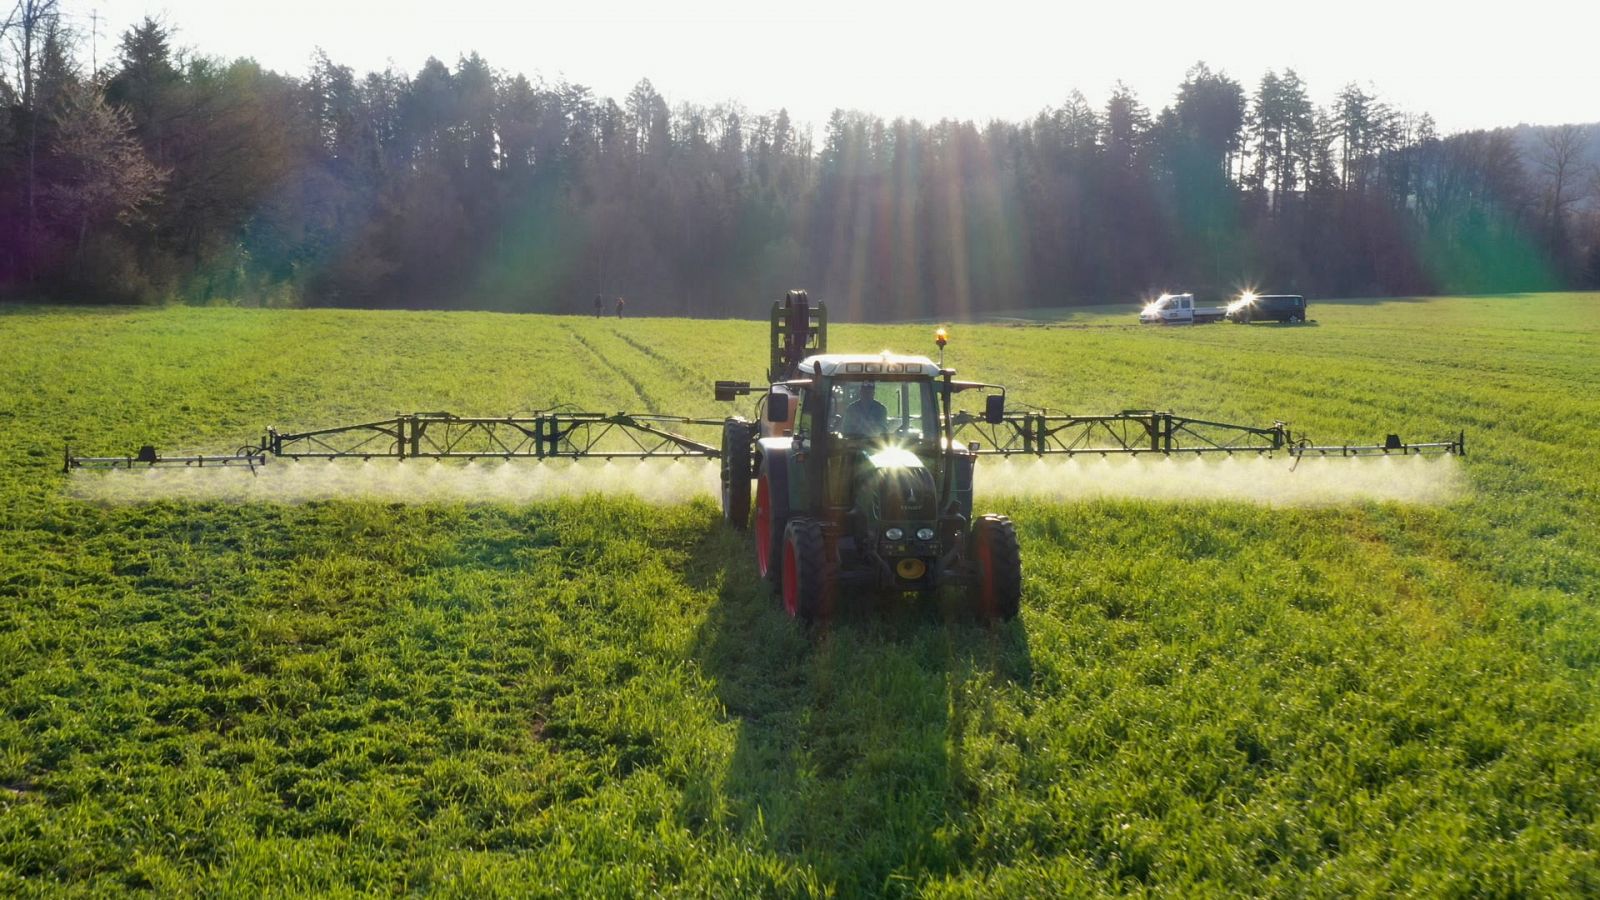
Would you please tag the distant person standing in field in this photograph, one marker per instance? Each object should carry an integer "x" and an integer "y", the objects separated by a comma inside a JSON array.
[
  {"x": 620, "y": 304},
  {"x": 597, "y": 305}
]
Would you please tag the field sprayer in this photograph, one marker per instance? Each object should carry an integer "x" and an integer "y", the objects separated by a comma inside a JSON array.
[{"x": 859, "y": 468}]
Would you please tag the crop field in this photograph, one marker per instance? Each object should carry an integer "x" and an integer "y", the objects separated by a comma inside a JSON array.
[{"x": 528, "y": 694}]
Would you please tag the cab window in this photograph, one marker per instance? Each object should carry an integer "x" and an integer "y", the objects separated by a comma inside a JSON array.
[
  {"x": 803, "y": 416},
  {"x": 866, "y": 409}
]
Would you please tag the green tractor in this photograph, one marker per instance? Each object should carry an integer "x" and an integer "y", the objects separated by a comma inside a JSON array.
[{"x": 859, "y": 488}]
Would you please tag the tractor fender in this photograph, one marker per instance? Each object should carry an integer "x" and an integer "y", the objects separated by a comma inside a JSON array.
[
  {"x": 772, "y": 508},
  {"x": 772, "y": 461}
]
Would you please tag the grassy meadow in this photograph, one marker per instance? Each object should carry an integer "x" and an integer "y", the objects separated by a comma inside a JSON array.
[{"x": 595, "y": 696}]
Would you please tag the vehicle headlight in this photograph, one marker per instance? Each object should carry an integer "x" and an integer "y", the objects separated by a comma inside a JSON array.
[
  {"x": 924, "y": 534},
  {"x": 894, "y": 534}
]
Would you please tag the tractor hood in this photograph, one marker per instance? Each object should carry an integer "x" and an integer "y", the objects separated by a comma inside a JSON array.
[
  {"x": 895, "y": 458},
  {"x": 897, "y": 486}
]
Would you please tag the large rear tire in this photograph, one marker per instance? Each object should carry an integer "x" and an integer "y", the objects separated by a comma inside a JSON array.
[
  {"x": 736, "y": 440},
  {"x": 808, "y": 579},
  {"x": 997, "y": 594},
  {"x": 771, "y": 515}
]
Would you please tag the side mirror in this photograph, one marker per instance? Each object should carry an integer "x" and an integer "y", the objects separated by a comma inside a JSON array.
[
  {"x": 778, "y": 407},
  {"x": 994, "y": 409}
]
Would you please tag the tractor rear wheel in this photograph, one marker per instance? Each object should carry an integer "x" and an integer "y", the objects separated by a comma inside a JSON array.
[
  {"x": 997, "y": 594},
  {"x": 771, "y": 516},
  {"x": 736, "y": 473},
  {"x": 807, "y": 576}
]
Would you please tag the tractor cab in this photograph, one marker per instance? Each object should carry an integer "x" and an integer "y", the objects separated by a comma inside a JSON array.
[
  {"x": 867, "y": 437},
  {"x": 868, "y": 399}
]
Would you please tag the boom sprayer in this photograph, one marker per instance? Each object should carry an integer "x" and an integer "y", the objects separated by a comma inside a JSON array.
[{"x": 855, "y": 473}]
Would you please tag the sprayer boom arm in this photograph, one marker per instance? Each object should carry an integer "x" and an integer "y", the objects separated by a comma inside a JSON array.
[
  {"x": 1149, "y": 431},
  {"x": 544, "y": 435}
]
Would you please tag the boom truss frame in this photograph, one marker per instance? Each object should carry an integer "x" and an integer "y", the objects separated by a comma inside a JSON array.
[
  {"x": 1134, "y": 432},
  {"x": 438, "y": 435},
  {"x": 583, "y": 435}
]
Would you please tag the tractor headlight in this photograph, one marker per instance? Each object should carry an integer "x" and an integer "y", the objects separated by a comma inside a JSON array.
[
  {"x": 894, "y": 534},
  {"x": 924, "y": 534}
]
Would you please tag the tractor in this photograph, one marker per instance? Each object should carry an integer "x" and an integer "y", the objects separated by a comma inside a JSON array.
[{"x": 860, "y": 488}]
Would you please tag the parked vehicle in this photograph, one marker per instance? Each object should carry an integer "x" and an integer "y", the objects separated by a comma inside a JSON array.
[
  {"x": 1179, "y": 309},
  {"x": 1267, "y": 308}
]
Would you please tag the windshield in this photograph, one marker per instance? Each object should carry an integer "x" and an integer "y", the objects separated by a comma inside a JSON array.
[{"x": 869, "y": 409}]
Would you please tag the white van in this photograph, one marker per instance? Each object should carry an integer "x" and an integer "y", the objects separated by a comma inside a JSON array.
[{"x": 1179, "y": 309}]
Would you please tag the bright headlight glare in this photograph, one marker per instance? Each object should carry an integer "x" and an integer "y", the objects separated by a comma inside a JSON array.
[
  {"x": 924, "y": 534},
  {"x": 894, "y": 534}
]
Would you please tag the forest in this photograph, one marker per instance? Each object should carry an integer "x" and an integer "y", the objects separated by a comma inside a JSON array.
[{"x": 165, "y": 175}]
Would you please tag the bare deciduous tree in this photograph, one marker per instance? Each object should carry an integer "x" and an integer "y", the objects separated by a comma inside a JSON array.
[
  {"x": 1559, "y": 164},
  {"x": 99, "y": 171}
]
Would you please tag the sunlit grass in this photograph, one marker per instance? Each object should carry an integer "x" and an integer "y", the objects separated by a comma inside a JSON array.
[{"x": 595, "y": 696}]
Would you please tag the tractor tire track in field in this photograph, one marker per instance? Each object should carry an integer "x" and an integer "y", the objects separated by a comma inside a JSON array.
[
  {"x": 680, "y": 371},
  {"x": 645, "y": 397}
]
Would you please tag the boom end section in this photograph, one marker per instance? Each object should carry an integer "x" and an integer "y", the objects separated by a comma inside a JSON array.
[
  {"x": 148, "y": 458},
  {"x": 1392, "y": 445}
]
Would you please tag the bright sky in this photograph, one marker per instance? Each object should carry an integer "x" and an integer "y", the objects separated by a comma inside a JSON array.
[{"x": 1470, "y": 65}]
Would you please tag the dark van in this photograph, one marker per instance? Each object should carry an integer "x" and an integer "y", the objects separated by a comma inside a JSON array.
[{"x": 1267, "y": 308}]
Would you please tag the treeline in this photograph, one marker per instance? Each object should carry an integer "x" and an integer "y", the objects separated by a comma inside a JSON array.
[{"x": 170, "y": 176}]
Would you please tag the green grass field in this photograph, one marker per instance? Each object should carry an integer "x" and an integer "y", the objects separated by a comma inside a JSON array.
[{"x": 594, "y": 696}]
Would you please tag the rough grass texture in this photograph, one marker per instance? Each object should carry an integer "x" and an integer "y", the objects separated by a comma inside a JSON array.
[{"x": 596, "y": 696}]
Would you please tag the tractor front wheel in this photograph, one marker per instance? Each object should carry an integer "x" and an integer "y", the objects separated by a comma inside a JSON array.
[
  {"x": 997, "y": 593},
  {"x": 807, "y": 577}
]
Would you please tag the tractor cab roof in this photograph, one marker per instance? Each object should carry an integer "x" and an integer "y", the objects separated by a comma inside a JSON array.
[{"x": 863, "y": 364}]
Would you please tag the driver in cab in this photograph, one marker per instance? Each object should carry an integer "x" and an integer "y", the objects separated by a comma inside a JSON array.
[{"x": 866, "y": 417}]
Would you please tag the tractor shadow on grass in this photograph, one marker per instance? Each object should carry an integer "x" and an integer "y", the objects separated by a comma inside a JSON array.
[{"x": 850, "y": 757}]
